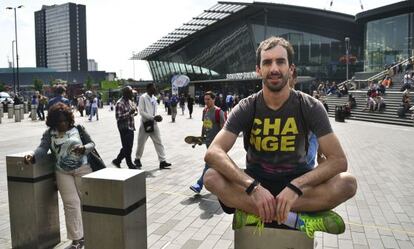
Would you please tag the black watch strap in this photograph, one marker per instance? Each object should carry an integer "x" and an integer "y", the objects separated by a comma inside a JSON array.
[
  {"x": 294, "y": 188},
  {"x": 251, "y": 187}
]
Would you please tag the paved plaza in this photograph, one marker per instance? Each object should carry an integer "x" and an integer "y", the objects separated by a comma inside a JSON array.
[{"x": 381, "y": 215}]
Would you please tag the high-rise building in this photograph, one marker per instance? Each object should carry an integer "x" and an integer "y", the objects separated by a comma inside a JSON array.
[
  {"x": 60, "y": 32},
  {"x": 92, "y": 65}
]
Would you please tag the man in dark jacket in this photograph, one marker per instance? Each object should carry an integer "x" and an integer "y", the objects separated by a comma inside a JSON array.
[{"x": 59, "y": 92}]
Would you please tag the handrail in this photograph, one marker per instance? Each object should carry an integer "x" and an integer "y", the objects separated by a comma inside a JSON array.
[
  {"x": 384, "y": 72},
  {"x": 378, "y": 75}
]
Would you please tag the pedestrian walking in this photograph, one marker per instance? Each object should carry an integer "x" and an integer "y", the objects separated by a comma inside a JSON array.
[
  {"x": 148, "y": 128},
  {"x": 125, "y": 111},
  {"x": 213, "y": 120}
]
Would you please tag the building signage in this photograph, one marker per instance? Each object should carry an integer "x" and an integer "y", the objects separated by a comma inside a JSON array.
[{"x": 242, "y": 76}]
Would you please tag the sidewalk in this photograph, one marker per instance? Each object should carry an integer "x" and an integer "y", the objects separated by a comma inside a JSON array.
[{"x": 381, "y": 215}]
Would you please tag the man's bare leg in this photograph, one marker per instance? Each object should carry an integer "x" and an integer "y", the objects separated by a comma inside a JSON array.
[
  {"x": 325, "y": 196},
  {"x": 230, "y": 194}
]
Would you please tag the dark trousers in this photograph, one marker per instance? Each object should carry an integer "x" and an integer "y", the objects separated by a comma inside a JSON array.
[
  {"x": 40, "y": 112},
  {"x": 190, "y": 109},
  {"x": 127, "y": 140}
]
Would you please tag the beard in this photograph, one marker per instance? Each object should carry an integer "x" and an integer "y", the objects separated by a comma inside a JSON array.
[{"x": 278, "y": 87}]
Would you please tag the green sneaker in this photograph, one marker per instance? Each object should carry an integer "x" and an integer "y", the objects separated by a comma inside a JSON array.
[
  {"x": 328, "y": 222},
  {"x": 241, "y": 219}
]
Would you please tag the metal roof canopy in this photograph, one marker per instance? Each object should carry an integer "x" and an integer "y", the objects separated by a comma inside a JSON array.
[
  {"x": 216, "y": 13},
  {"x": 220, "y": 13}
]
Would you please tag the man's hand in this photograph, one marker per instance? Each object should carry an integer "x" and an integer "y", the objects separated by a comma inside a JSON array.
[
  {"x": 284, "y": 202},
  {"x": 158, "y": 118},
  {"x": 28, "y": 159},
  {"x": 265, "y": 203}
]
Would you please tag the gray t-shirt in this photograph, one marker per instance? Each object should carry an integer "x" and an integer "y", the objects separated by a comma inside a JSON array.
[
  {"x": 277, "y": 139},
  {"x": 212, "y": 126}
]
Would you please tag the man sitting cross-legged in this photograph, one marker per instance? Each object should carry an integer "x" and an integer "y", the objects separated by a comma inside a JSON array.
[{"x": 278, "y": 185}]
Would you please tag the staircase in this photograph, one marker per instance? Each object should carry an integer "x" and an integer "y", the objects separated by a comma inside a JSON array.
[{"x": 388, "y": 116}]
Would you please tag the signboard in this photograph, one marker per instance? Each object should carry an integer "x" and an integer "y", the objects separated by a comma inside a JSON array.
[
  {"x": 178, "y": 81},
  {"x": 241, "y": 76}
]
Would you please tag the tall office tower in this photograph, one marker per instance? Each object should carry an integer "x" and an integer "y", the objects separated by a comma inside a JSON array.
[{"x": 60, "y": 32}]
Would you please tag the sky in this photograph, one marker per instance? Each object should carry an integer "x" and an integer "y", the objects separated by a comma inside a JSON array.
[{"x": 116, "y": 29}]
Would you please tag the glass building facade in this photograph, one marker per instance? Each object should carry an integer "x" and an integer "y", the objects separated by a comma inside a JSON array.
[
  {"x": 387, "y": 39},
  {"x": 223, "y": 41}
]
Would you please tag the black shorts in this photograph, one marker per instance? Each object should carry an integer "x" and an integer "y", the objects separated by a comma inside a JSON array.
[{"x": 275, "y": 186}]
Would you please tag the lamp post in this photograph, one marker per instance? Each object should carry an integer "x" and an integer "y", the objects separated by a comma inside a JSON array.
[
  {"x": 67, "y": 67},
  {"x": 347, "y": 47},
  {"x": 133, "y": 64},
  {"x": 14, "y": 75},
  {"x": 17, "y": 53}
]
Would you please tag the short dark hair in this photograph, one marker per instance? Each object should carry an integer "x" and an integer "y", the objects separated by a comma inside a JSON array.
[
  {"x": 126, "y": 90},
  {"x": 211, "y": 94},
  {"x": 272, "y": 42},
  {"x": 60, "y": 89},
  {"x": 149, "y": 85},
  {"x": 56, "y": 111}
]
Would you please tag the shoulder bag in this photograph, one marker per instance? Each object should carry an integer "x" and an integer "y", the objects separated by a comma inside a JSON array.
[{"x": 94, "y": 159}]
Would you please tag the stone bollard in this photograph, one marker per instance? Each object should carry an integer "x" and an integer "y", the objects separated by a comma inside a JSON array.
[
  {"x": 1, "y": 111},
  {"x": 10, "y": 111},
  {"x": 21, "y": 112},
  {"x": 114, "y": 209},
  {"x": 33, "y": 112},
  {"x": 26, "y": 107},
  {"x": 17, "y": 116},
  {"x": 275, "y": 238},
  {"x": 33, "y": 203}
]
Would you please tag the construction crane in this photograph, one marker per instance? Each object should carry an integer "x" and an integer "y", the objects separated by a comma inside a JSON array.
[{"x": 360, "y": 2}]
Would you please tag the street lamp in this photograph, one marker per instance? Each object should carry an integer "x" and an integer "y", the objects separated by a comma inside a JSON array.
[
  {"x": 133, "y": 63},
  {"x": 17, "y": 53},
  {"x": 67, "y": 67},
  {"x": 14, "y": 75},
  {"x": 347, "y": 47}
]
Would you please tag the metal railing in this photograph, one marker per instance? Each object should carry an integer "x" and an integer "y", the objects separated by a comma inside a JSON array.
[{"x": 358, "y": 84}]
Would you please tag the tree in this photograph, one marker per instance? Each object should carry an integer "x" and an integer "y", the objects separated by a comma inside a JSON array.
[
  {"x": 89, "y": 82},
  {"x": 52, "y": 81},
  {"x": 38, "y": 84},
  {"x": 2, "y": 87}
]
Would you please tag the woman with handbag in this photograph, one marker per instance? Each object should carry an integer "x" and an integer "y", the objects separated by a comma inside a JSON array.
[{"x": 64, "y": 141}]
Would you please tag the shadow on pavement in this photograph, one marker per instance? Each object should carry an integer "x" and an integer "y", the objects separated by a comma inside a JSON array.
[{"x": 208, "y": 203}]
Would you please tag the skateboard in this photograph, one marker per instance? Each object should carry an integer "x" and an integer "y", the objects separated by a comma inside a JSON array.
[{"x": 194, "y": 140}]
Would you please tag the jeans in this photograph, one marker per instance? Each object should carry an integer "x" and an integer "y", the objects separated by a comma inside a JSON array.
[
  {"x": 94, "y": 110},
  {"x": 312, "y": 150},
  {"x": 201, "y": 181}
]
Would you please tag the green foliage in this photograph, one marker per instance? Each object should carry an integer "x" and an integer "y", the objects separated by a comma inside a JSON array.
[
  {"x": 2, "y": 87},
  {"x": 38, "y": 84},
  {"x": 105, "y": 85},
  {"x": 52, "y": 81},
  {"x": 89, "y": 83}
]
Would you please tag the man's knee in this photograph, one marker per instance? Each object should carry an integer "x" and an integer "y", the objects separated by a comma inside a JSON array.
[
  {"x": 210, "y": 178},
  {"x": 349, "y": 185}
]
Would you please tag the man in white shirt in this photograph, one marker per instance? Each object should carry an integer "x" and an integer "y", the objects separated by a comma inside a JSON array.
[{"x": 148, "y": 128}]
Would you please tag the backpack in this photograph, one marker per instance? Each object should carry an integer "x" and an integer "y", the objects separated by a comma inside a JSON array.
[
  {"x": 216, "y": 115},
  {"x": 173, "y": 101}
]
